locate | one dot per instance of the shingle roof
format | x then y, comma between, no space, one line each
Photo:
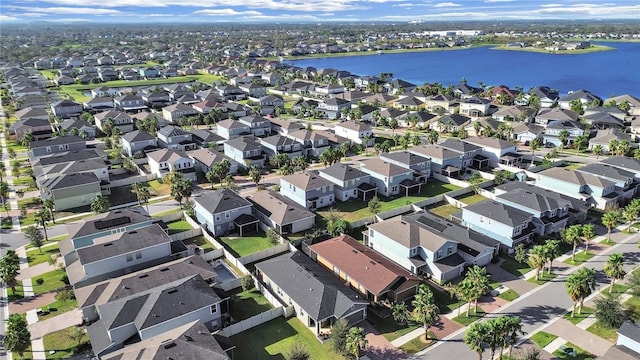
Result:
307,181
163,155
498,212
382,167
405,157
434,151
207,156
278,208
490,142
623,162
352,125
104,221
244,144
221,200
575,204
606,171
533,200
58,140
69,180
343,172
137,135
575,177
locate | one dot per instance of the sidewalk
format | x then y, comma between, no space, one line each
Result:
568,332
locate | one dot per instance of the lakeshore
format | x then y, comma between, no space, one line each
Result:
592,49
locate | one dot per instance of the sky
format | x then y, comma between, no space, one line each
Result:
298,11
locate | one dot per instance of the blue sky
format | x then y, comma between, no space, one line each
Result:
273,11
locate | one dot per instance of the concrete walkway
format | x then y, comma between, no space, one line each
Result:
587,341
57,323
517,284
37,349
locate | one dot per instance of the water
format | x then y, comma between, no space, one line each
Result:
604,73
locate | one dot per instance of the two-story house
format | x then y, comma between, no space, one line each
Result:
164,161
474,106
443,160
332,108
349,182
70,191
556,128
230,129
279,144
82,126
309,190
598,191
66,109
466,150
356,132
497,151
174,138
626,181
173,113
138,140
313,142
205,159
246,151
223,211
130,102
258,126
390,179
420,165
56,144
504,223
584,96
269,104
445,102
38,128
280,213
546,116
98,104
114,119
550,214
450,123
253,90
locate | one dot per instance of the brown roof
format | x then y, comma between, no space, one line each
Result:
409,233
364,265
307,181
382,167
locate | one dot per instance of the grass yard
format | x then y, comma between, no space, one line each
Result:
246,304
618,289
586,311
63,344
445,302
389,328
19,293
275,338
445,210
52,281
178,226
543,339
603,331
242,246
35,257
465,320
514,267
420,343
357,209
166,212
60,307
544,277
509,295
471,199
580,258
564,353
201,242
158,188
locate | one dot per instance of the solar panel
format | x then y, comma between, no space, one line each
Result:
435,225
105,224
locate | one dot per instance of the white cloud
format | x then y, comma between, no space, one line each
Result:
8,18
497,1
446,4
226,12
66,10
550,5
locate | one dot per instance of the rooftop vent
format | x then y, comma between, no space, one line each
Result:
172,291
107,244
164,269
143,276
169,345
187,337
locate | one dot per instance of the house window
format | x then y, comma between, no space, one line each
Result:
217,217
438,255
394,189
371,232
226,215
129,257
414,251
450,250
138,255
214,309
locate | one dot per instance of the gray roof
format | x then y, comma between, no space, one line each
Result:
623,162
206,135
123,243
533,200
459,146
455,119
137,135
107,221
343,172
171,130
498,212
67,156
207,156
382,167
575,177
574,203
630,330
69,180
244,144
434,151
278,140
79,166
221,200
317,291
405,157
306,181
58,140
606,171
74,123
490,142
278,208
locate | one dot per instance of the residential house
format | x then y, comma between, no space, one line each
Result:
269,104
465,91
348,182
82,126
604,137
318,298
173,113
115,119
546,116
156,98
634,128
229,92
205,138
514,113
417,119
66,109
624,163
550,214
632,101
474,106
497,151
556,128
584,96
309,190
230,129
222,211
246,151
56,144
443,160
627,346
98,104
409,103
138,140
164,161
99,167
547,96
258,126
525,132
104,91
602,120
253,90
356,132
205,159
284,127
610,110
398,87
32,113
599,192
280,213
420,165
486,126
450,123
71,190
447,103
389,178
365,270
507,224
332,108
174,138
38,128
130,102
314,142
626,182
278,144
466,150
325,91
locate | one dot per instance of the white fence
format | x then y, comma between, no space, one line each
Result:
449,180
213,254
132,180
183,235
173,217
275,250
252,322
231,284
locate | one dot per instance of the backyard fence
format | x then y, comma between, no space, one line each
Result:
183,235
173,217
132,180
252,322
275,250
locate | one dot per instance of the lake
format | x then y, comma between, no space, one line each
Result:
604,73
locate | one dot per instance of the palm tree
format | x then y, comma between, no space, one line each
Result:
400,312
425,309
475,337
479,278
50,206
563,136
100,204
573,236
537,259
142,193
41,217
588,232
610,219
597,151
631,212
374,207
580,285
432,136
551,251
255,174
513,328
10,269
17,337
366,139
613,146
614,269
210,177
221,169
355,341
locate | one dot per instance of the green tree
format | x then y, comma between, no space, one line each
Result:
355,341
425,310
597,150
432,136
551,251
10,269
588,232
35,237
400,312
221,169
17,337
631,212
255,174
374,207
298,351
100,204
537,259
247,283
475,337
614,268
609,312
573,236
579,285
142,194
300,163
50,206
475,180
338,336
563,136
41,217
480,281
610,220
521,253
513,329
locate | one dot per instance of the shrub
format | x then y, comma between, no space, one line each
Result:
609,312
338,337
39,281
65,295
247,283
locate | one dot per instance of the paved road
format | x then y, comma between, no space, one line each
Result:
543,304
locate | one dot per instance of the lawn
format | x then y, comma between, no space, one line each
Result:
246,304
603,331
544,277
618,289
275,338
514,267
586,311
158,188
178,226
509,295
52,281
35,257
445,210
389,328
247,245
418,344
19,294
580,258
166,212
60,308
357,209
62,343
543,339
201,242
564,353
445,302
471,199
465,320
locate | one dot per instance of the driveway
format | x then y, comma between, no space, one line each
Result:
63,321
581,338
517,284
379,348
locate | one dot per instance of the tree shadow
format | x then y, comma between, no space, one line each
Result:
532,315
375,353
